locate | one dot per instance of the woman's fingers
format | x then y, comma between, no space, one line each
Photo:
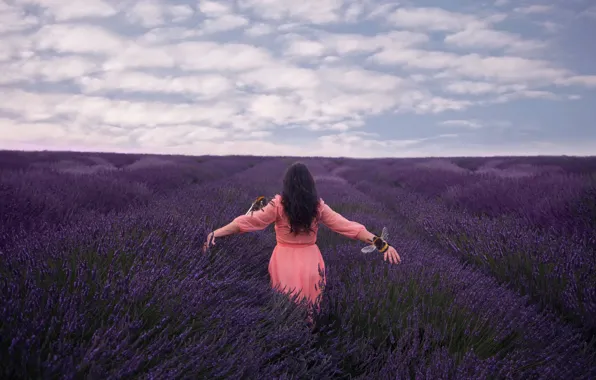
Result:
392,256
389,256
210,242
397,257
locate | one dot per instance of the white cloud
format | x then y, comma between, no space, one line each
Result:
163,35
14,134
280,77
259,29
578,80
276,109
343,143
353,12
323,97
65,11
175,135
437,105
342,126
532,94
255,134
147,13
536,8
224,23
472,124
14,48
97,110
435,19
313,11
152,13
479,88
52,69
186,89
497,68
213,8
204,86
138,57
493,39
359,80
419,59
381,10
549,26
65,38
190,56
305,48
13,19
346,43
220,18
29,131
220,57
180,12
329,94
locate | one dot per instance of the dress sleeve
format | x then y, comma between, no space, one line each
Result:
337,223
259,220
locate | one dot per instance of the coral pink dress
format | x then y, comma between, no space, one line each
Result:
296,259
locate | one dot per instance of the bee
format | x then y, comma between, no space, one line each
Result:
375,242
258,204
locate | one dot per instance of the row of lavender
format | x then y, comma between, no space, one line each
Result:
128,294
64,187
533,231
125,292
448,319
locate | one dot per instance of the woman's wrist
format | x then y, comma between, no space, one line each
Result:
230,229
366,236
381,245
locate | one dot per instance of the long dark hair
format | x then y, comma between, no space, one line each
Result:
299,198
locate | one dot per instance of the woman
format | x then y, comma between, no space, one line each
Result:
294,265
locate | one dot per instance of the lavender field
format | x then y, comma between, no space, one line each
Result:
102,274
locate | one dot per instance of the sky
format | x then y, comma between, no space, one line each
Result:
354,78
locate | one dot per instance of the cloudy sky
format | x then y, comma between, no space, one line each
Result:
358,78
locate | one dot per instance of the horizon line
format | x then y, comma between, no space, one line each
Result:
277,156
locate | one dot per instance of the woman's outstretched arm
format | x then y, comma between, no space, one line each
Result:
365,236
338,223
229,229
258,220
353,230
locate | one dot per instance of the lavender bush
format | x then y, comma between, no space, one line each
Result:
64,193
534,233
117,287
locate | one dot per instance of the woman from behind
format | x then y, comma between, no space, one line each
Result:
296,265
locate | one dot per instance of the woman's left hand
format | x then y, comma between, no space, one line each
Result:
210,239
392,256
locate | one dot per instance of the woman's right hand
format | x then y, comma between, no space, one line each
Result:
209,242
392,256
